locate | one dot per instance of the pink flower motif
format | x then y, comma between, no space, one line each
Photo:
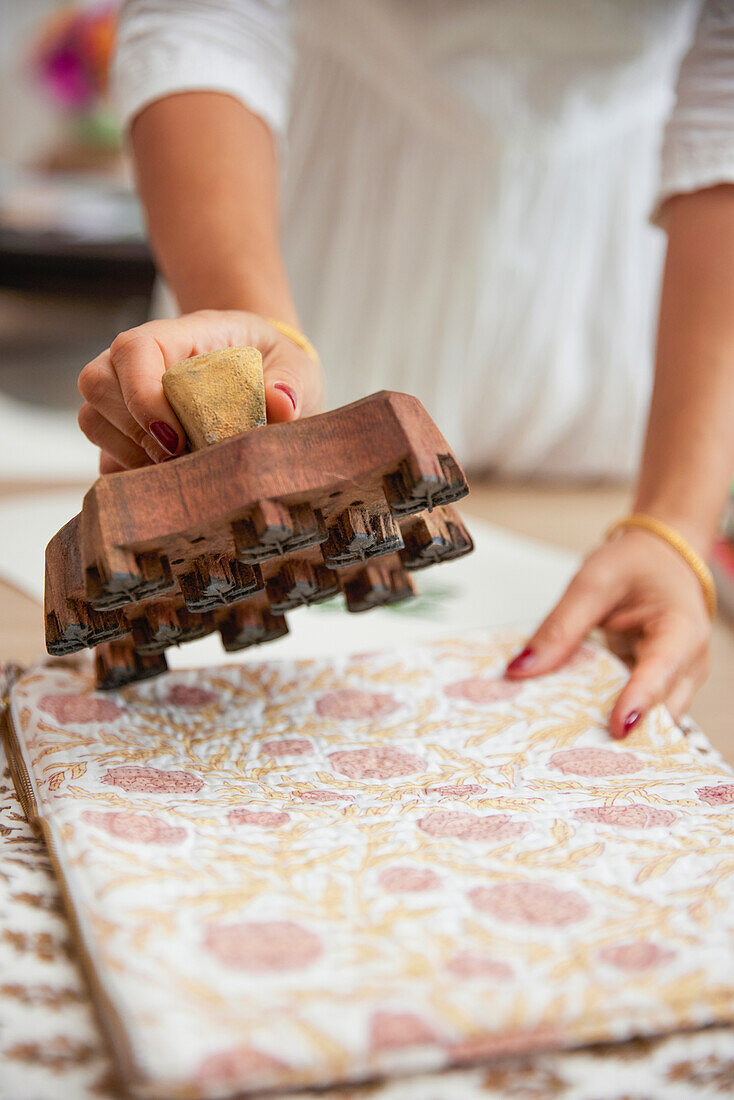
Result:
721,795
393,1030
459,790
261,947
322,796
137,828
483,691
152,780
350,703
237,1068
375,763
466,826
482,1048
636,956
266,819
181,695
595,762
409,880
467,965
530,903
288,746
636,816
80,708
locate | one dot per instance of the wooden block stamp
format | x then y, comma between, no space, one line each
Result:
254,522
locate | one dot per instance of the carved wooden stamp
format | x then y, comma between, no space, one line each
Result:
254,522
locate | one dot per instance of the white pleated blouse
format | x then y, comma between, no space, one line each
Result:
467,193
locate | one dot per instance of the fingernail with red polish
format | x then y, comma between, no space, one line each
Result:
630,721
165,435
290,394
523,661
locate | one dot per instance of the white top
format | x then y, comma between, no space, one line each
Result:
467,191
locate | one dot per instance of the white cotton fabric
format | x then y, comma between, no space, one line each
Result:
467,191
241,47
698,150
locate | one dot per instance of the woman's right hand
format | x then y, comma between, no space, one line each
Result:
126,413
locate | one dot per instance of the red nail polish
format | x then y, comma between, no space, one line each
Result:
290,394
630,721
165,435
523,661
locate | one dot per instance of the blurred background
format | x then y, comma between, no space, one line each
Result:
75,270
74,266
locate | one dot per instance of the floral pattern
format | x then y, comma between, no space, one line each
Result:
152,780
483,691
436,880
636,956
263,946
135,828
465,826
349,704
635,816
530,903
722,794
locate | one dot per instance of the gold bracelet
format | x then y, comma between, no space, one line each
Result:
295,337
703,574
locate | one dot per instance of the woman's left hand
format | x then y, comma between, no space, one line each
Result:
652,608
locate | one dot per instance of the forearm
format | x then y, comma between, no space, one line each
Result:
689,450
208,178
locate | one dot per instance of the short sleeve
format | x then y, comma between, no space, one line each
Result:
698,147
241,47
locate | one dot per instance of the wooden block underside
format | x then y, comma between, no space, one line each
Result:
163,555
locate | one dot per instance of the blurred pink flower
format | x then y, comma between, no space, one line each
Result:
80,708
237,1068
73,53
266,819
466,826
595,762
152,780
636,816
288,746
392,1030
260,947
350,703
530,903
483,691
466,965
375,763
636,956
182,695
137,828
409,880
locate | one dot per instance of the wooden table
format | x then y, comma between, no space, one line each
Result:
570,518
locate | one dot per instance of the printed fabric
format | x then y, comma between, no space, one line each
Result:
314,872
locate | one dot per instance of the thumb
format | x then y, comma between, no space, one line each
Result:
583,605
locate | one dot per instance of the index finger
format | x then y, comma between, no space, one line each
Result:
139,362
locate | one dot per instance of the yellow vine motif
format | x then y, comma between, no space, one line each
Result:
306,871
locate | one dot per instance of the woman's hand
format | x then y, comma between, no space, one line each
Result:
125,411
651,605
